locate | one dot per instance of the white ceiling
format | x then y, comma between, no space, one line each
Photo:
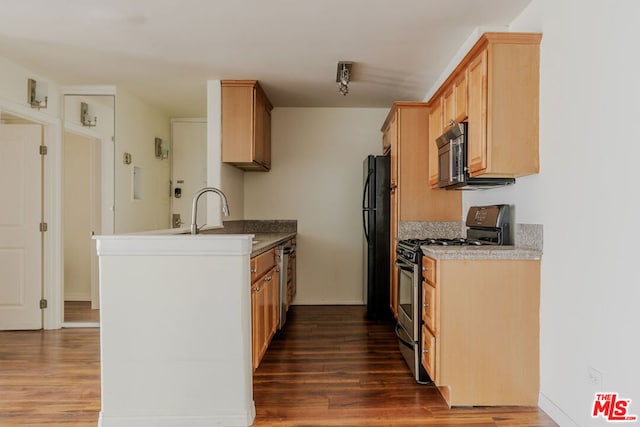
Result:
164,50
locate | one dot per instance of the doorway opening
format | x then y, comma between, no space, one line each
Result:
87,202
82,195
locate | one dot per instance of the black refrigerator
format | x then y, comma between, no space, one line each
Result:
376,206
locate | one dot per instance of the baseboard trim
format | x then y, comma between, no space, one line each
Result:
77,296
554,411
327,302
232,419
80,324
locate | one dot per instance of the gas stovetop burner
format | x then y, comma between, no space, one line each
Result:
439,241
460,241
486,225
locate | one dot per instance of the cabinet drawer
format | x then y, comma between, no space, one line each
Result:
428,358
429,305
262,263
429,270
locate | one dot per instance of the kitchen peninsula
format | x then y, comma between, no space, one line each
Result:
176,325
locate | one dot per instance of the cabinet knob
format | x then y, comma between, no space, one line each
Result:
425,351
254,270
425,305
452,122
424,268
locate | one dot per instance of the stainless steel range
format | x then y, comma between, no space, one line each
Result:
486,225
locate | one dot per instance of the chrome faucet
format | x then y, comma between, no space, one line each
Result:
194,207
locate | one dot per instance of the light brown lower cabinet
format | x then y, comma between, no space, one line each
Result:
483,349
264,300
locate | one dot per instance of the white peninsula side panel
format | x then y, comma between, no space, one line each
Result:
175,330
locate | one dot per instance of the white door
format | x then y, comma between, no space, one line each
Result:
20,237
189,168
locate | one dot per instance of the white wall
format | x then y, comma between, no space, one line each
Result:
137,126
585,197
224,176
13,87
232,184
316,178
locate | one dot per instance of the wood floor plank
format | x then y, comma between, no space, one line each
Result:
328,367
50,378
80,311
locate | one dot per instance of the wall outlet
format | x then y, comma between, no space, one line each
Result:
594,377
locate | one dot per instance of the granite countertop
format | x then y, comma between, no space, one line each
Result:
481,252
527,238
267,233
266,241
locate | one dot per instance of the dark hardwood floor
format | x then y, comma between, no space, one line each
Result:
328,367
50,377
80,311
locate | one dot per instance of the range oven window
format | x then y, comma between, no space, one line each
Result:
407,297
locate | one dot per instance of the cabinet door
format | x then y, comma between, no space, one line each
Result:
429,270
237,124
264,313
454,101
435,130
448,107
386,142
267,137
477,113
428,357
271,305
262,263
246,125
257,323
429,306
460,90
260,120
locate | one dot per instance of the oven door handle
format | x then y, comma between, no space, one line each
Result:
404,266
402,339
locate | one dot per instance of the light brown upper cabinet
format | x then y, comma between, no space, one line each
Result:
495,89
435,130
444,112
454,102
246,125
405,132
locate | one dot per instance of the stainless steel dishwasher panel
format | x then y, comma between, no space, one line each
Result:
284,252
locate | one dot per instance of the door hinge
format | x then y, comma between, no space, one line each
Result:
43,303
43,150
43,227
